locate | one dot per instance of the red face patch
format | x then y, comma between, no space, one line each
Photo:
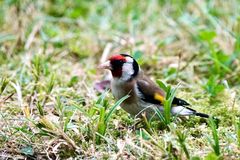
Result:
117,62
117,57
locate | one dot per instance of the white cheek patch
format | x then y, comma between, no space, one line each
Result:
127,71
129,59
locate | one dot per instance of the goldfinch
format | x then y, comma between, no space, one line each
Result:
145,95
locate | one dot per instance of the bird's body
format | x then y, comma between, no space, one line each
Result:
139,102
145,95
131,105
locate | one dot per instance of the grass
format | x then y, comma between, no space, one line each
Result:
165,117
49,53
215,142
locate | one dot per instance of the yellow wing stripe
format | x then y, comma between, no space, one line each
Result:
159,97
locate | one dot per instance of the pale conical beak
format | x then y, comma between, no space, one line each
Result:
105,65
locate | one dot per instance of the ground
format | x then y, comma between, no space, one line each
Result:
49,53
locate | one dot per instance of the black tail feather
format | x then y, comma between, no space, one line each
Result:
205,116
216,120
202,115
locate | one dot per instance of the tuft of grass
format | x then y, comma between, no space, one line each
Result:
104,115
238,131
214,142
213,87
37,67
167,105
3,83
181,138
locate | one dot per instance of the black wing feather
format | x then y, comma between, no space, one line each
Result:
149,98
180,102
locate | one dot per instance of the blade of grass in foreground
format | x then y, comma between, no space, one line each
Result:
181,138
170,94
118,103
215,142
4,82
105,117
238,131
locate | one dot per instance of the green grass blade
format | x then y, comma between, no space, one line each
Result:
160,115
215,143
114,107
181,138
238,131
162,85
4,82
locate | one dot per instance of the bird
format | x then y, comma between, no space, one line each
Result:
144,94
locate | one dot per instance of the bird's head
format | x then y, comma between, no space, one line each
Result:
122,66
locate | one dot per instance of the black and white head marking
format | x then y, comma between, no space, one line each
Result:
130,68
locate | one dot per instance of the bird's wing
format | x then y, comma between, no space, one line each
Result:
151,93
180,102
